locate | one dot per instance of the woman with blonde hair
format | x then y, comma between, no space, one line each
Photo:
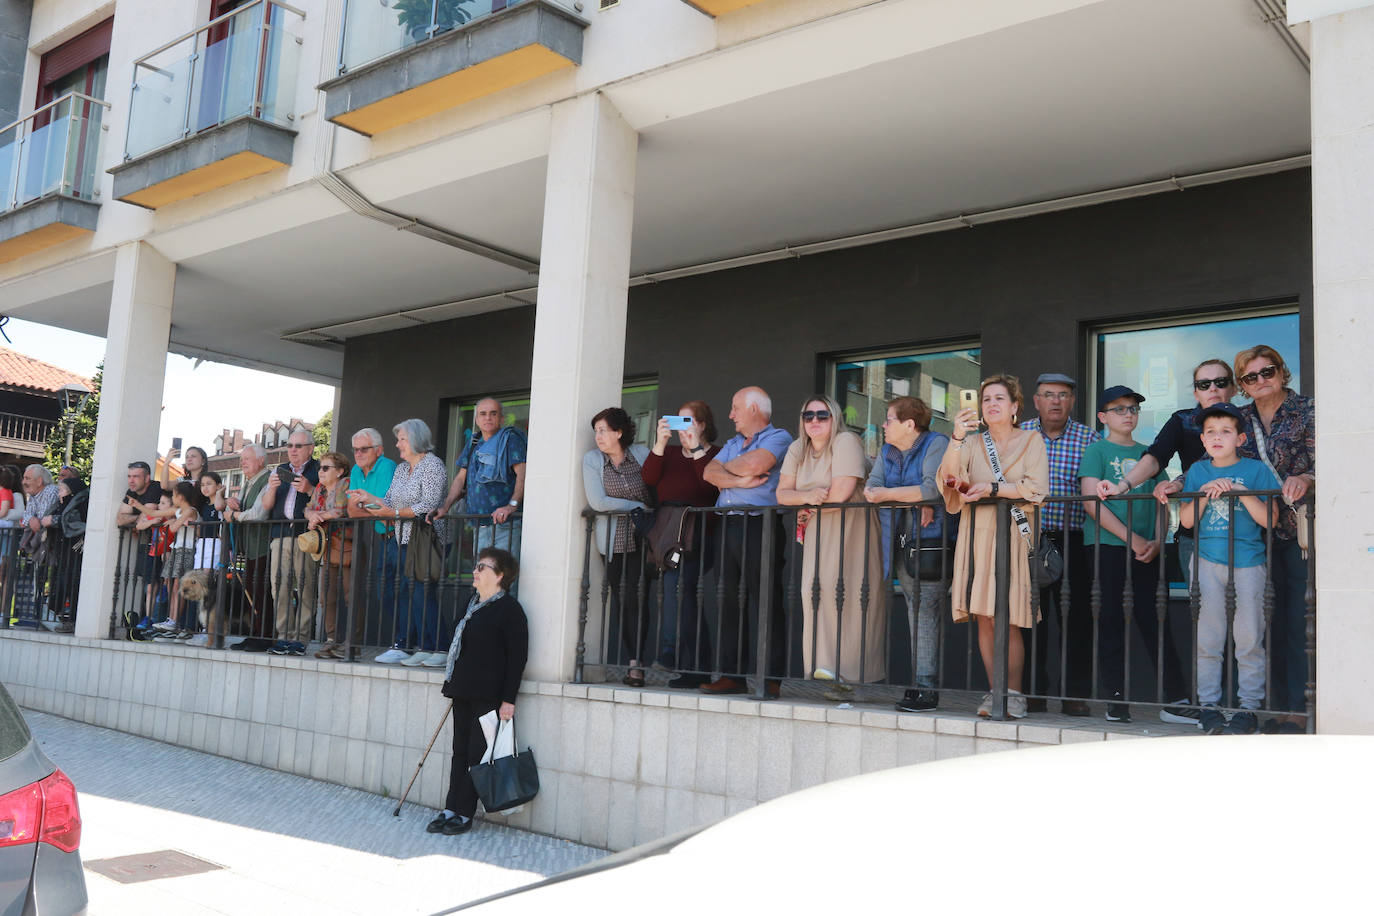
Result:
844,593
966,479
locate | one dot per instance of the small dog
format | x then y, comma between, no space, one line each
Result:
202,585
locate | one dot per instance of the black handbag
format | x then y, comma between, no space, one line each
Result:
424,555
671,536
506,782
926,558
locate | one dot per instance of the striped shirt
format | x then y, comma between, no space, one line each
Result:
1065,453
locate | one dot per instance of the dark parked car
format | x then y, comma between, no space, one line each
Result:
40,826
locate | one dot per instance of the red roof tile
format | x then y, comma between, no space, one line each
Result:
20,371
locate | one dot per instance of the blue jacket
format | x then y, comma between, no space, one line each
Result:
901,469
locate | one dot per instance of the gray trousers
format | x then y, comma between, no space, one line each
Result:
922,610
1248,633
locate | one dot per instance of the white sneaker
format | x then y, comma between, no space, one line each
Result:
416,660
985,707
392,656
1016,704
165,626
823,674
436,660
200,639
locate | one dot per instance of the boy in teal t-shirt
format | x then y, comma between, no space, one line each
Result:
1105,532
1213,517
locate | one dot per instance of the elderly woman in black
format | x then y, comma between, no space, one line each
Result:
485,663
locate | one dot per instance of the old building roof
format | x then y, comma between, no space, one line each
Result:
20,371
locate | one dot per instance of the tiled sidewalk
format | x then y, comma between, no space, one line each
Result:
286,843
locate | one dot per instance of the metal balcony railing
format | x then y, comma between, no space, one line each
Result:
55,150
241,64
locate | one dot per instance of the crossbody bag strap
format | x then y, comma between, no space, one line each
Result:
1016,514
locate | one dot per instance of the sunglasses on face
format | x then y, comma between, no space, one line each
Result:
1124,410
484,565
1266,373
1203,384
809,415
329,467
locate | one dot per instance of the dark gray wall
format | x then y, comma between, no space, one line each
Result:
1027,289
14,47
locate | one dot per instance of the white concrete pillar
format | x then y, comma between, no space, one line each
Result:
1343,288
579,359
130,410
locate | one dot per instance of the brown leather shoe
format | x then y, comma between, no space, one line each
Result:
772,688
1078,708
723,685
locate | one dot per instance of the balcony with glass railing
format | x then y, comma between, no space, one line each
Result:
49,164
213,107
402,60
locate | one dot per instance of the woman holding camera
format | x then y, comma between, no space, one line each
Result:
482,671
968,485
843,625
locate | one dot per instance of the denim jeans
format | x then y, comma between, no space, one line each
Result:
679,626
414,606
489,534
1288,629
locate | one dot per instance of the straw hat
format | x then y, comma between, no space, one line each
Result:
312,543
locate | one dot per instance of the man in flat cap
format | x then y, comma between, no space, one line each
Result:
1065,441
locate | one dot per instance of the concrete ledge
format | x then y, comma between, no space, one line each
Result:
211,159
43,223
617,767
507,48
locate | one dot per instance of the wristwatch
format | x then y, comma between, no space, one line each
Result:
514,504
994,488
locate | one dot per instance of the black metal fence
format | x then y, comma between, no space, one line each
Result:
357,587
40,576
753,599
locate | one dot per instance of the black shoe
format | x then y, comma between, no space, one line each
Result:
1179,713
918,700
1037,704
437,825
1211,721
1077,708
1242,723
280,647
1118,712
456,825
687,682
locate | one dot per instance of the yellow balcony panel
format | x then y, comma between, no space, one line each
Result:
43,224
212,159
496,52
720,7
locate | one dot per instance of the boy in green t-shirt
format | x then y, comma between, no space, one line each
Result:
1111,459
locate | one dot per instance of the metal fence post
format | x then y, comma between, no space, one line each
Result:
766,571
1310,606
583,603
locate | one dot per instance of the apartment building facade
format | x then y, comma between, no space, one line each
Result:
570,204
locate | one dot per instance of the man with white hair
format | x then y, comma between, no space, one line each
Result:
368,483
295,574
746,471
252,541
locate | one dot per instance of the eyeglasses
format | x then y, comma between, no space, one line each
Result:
1266,373
487,566
1124,409
809,415
330,467
1054,395
365,448
299,444
1203,384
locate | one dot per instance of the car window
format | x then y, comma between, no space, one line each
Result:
14,733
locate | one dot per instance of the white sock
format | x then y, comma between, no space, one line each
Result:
448,813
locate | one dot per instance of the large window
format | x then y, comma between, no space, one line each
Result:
1158,361
640,400
863,383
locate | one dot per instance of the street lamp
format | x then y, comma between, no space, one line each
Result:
72,392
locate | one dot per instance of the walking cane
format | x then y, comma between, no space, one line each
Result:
433,738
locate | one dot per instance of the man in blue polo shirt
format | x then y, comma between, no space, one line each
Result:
746,471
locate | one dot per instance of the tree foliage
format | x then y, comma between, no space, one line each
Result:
323,428
83,419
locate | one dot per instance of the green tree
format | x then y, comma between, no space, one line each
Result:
322,430
83,418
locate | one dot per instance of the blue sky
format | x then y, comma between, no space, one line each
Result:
197,403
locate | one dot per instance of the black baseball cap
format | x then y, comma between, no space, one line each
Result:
1116,393
1224,410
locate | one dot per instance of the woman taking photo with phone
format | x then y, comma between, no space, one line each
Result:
969,485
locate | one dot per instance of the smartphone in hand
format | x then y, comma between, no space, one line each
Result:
678,423
968,398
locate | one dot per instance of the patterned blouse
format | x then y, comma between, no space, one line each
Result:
421,490
624,482
1290,445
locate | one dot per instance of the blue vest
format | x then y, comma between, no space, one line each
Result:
901,471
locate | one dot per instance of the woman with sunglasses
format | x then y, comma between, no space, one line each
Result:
1281,432
842,637
330,502
1181,435
482,672
966,479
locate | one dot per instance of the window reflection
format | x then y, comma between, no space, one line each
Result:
863,384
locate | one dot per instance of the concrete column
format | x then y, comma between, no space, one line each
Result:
579,359
14,48
1343,288
130,411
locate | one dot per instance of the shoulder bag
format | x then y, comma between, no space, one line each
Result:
424,555
670,538
1046,564
1299,511
927,557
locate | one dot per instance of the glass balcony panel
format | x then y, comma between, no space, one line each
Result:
283,65
157,114
375,29
43,161
9,165
228,78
